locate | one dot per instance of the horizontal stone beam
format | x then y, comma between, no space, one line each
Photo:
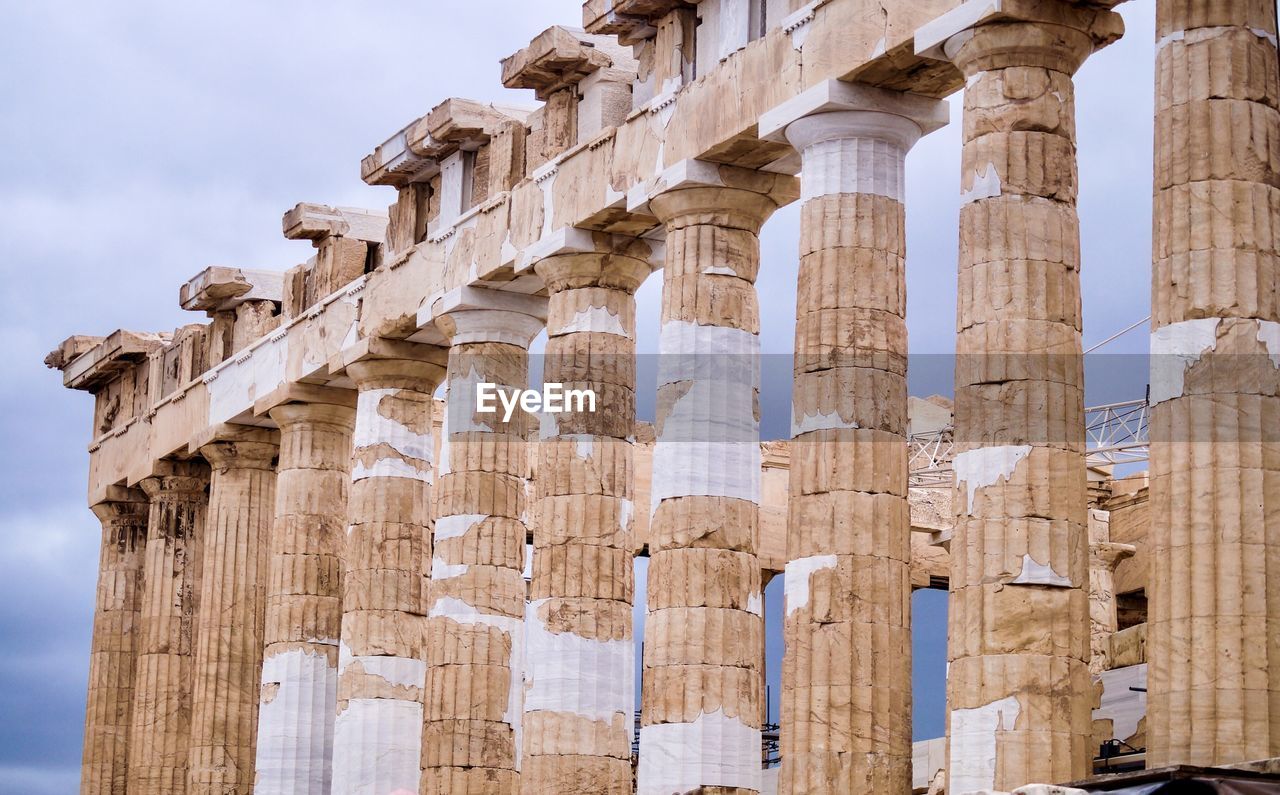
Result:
317,221
560,57
413,154
218,288
88,367
71,349
393,163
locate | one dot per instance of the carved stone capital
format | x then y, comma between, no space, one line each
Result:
470,314
420,375
227,454
979,35
617,270
315,414
722,195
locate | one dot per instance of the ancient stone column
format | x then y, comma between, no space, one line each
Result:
161,733
471,724
304,599
703,663
580,651
377,742
846,691
113,650
1018,684
233,590
1214,593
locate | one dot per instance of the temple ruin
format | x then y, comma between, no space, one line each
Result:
326,568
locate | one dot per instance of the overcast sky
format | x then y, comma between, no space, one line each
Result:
144,141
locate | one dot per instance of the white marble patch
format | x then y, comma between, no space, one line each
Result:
569,673
795,585
973,743
713,751
979,468
1174,349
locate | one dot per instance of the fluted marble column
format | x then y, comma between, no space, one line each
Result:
159,742
377,743
304,599
846,693
233,587
703,653
580,651
113,650
472,710
1019,694
1213,632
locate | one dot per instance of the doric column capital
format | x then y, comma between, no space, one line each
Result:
490,325
421,375
471,314
574,240
1053,34
229,445
1008,44
836,110
225,454
853,138
845,125
176,478
291,414
734,208
121,504
624,268
695,192
1108,554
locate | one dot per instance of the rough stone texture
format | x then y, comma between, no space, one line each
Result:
304,599
382,664
703,655
846,689
1212,637
113,650
471,721
1104,556
580,653
233,590
1018,684
161,734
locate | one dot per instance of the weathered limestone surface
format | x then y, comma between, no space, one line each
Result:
703,656
471,725
1018,683
579,680
1128,647
304,597
1129,523
846,690
161,733
1213,639
1104,556
113,650
585,82
382,660
233,588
